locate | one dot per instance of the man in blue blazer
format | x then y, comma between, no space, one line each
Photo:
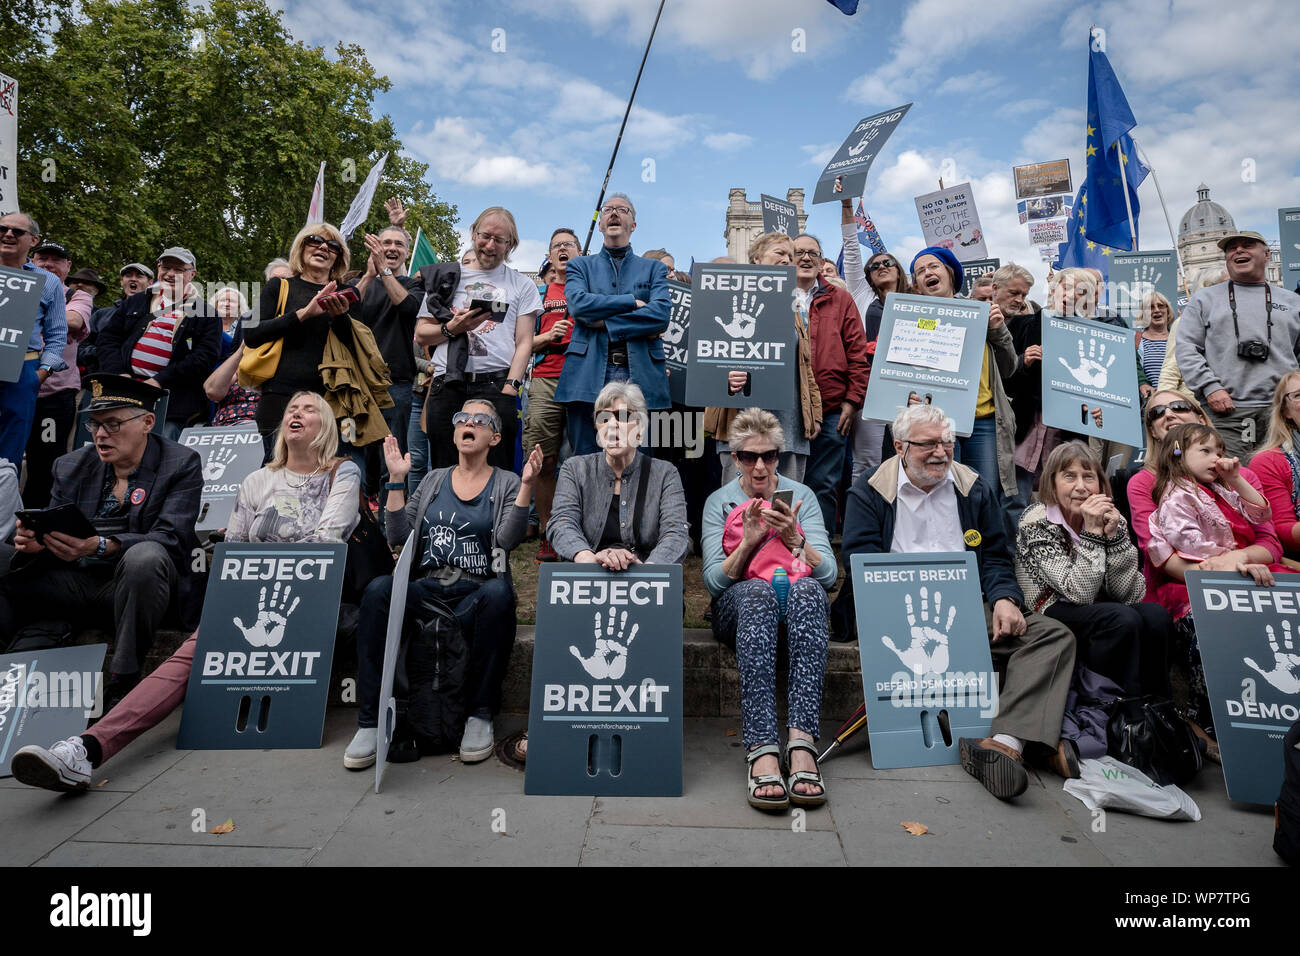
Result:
620,303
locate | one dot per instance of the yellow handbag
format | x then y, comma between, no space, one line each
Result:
259,364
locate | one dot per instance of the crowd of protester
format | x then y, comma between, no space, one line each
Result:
383,394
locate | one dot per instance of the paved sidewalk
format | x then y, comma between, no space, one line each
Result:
297,808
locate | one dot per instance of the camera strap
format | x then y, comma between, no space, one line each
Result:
1268,310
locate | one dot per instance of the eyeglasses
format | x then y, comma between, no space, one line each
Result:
807,254
476,419
882,264
1157,412
332,244
14,231
564,244
928,446
750,458
1292,397
111,427
621,210
489,237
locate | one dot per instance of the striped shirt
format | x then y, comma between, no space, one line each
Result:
154,350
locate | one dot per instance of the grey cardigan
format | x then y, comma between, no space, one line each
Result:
509,521
584,490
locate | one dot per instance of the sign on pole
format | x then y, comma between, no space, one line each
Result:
1134,275
1042,179
742,320
20,301
846,173
8,146
48,695
677,339
1087,365
779,216
927,672
932,348
1288,230
1048,232
229,454
605,717
260,679
392,648
949,219
974,269
1249,638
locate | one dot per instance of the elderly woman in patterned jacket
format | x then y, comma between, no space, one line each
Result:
1076,562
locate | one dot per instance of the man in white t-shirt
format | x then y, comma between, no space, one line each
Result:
478,352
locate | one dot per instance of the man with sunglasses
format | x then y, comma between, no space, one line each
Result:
44,354
167,336
141,494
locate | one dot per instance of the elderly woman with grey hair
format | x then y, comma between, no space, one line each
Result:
767,557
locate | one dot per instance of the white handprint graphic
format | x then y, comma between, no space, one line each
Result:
608,659
928,652
1091,370
1285,675
744,317
219,460
867,137
675,332
272,616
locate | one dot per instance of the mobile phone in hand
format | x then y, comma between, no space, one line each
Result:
785,495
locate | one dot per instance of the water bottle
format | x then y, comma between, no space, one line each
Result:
781,585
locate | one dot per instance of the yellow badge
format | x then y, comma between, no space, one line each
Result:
972,538
97,389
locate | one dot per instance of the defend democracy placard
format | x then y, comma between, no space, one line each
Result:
230,454
1249,638
1087,365
20,301
949,219
1048,232
1134,275
260,679
605,717
677,339
48,695
849,166
930,347
974,269
779,215
1042,179
1288,230
742,320
925,653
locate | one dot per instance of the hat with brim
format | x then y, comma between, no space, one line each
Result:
120,391
139,267
948,259
1223,243
51,248
180,254
89,277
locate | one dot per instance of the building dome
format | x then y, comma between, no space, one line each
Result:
1205,216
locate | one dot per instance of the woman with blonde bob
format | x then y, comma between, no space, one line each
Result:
1277,463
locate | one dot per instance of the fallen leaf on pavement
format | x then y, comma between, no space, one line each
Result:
226,827
914,828
731,733
101,783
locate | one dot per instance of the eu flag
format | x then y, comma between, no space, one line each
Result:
1081,249
1108,146
846,6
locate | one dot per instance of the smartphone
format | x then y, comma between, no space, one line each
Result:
785,495
350,294
489,305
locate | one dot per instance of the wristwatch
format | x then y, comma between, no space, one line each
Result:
101,549
44,368
516,383
445,334
387,273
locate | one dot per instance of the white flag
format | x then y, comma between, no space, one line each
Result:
360,207
316,210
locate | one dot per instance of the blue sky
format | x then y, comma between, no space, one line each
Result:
727,102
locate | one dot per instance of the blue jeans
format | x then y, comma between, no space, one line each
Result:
17,409
825,466
581,416
418,442
980,451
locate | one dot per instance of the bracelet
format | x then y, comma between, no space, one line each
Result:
394,486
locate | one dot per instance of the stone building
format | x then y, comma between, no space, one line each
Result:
745,221
1199,231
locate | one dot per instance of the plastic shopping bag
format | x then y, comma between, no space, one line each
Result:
1106,782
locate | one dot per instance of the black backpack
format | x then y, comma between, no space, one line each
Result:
1286,812
436,661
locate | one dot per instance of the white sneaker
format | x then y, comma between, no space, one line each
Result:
361,752
477,742
65,766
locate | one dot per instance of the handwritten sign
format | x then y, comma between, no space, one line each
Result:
927,343
1042,179
949,220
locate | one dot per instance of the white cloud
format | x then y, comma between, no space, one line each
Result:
726,142
820,154
460,153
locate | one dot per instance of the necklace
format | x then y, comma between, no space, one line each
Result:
301,484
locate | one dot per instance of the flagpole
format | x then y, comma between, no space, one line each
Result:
415,244
626,113
1178,258
1128,205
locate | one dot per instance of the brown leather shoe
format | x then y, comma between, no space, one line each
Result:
994,764
1065,761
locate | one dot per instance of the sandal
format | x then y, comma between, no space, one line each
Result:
813,777
520,755
766,780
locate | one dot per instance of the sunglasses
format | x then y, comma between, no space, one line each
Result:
882,264
1157,412
14,231
621,415
750,458
332,244
477,419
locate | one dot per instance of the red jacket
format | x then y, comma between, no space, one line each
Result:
839,348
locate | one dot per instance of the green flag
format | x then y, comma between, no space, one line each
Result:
422,253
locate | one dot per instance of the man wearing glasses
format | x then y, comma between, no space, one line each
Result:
921,501
168,337
141,495
619,302
44,353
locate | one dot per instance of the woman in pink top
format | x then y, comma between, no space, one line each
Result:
1277,463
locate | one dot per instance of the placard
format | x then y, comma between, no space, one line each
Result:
973,270
229,455
20,301
1046,207
742,320
949,220
260,679
1042,179
677,339
1288,231
1087,365
605,717
1134,275
1048,232
845,175
1249,638
48,695
8,147
925,655
392,649
779,216
930,376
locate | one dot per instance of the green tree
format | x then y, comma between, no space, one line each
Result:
148,123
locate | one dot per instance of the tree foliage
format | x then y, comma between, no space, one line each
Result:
149,123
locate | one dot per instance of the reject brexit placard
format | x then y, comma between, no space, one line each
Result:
742,320
1042,179
1249,638
1288,230
1135,275
1089,365
20,300
48,695
949,220
926,668
932,348
229,455
260,679
846,173
605,716
779,216
973,270
677,339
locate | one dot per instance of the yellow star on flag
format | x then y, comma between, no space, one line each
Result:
1091,129
1122,157
1080,212
1105,250
1091,150
1091,245
1084,199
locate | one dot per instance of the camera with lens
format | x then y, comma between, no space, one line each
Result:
1252,351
